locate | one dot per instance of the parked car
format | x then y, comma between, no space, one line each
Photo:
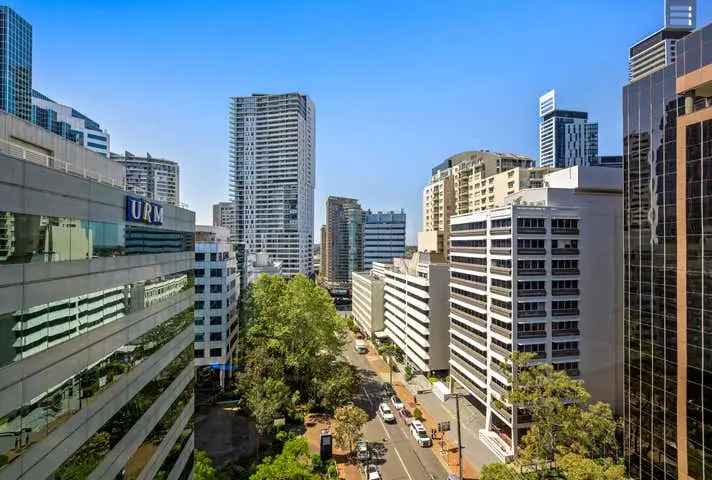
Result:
388,389
397,403
417,429
371,472
360,346
362,451
386,414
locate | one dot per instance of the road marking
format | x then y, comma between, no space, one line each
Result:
394,448
370,401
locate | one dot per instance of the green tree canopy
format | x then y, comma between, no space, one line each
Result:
348,423
294,463
203,467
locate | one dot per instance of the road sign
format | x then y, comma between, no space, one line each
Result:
443,426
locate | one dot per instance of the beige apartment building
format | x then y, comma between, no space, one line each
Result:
468,182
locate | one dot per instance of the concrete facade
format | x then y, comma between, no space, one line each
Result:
383,237
367,302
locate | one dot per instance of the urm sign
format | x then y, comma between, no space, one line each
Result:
140,210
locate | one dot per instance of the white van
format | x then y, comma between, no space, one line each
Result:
360,346
417,429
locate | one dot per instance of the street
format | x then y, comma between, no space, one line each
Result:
396,453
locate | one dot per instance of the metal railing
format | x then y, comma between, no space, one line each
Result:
531,230
501,311
502,331
473,352
58,164
531,334
501,270
564,251
500,251
564,231
565,332
531,251
572,352
561,292
500,231
564,312
480,250
531,313
470,266
501,291
565,271
532,293
531,271
471,318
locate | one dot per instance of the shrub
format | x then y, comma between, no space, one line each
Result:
408,373
418,415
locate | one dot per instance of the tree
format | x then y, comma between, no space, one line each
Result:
552,398
268,400
337,385
203,467
294,463
348,422
576,467
498,471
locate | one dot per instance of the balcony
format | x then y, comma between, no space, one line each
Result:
469,300
500,251
523,416
507,333
564,231
500,370
563,292
565,271
532,293
531,313
531,251
531,271
572,352
498,388
501,311
531,334
470,266
475,389
471,318
502,411
501,271
565,312
507,292
564,251
478,250
501,350
468,283
501,231
471,351
565,332
531,230
465,233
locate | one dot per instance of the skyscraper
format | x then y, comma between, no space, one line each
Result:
15,64
659,49
272,168
69,123
154,178
566,137
667,133
383,237
343,247
223,214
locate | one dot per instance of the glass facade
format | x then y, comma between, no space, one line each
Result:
15,64
650,315
39,238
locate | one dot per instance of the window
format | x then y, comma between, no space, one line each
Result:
215,336
564,244
213,257
199,353
199,305
216,288
199,321
564,284
216,352
530,223
530,243
199,257
564,224
215,320
199,272
531,285
199,337
216,272
199,288
214,304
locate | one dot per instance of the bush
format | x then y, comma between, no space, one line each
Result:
408,373
418,415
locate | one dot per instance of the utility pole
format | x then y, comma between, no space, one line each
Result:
459,441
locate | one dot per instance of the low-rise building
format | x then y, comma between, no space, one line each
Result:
259,263
415,309
540,275
367,302
217,290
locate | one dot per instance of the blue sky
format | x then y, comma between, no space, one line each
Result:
398,86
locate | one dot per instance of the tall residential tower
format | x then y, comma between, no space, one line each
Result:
154,178
343,247
272,176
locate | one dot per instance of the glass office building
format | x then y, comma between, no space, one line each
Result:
96,322
667,121
15,64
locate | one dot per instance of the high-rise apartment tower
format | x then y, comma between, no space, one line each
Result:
155,178
343,247
272,168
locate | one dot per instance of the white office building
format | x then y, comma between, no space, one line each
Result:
542,274
383,237
259,263
154,178
367,302
566,137
217,290
415,309
272,168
